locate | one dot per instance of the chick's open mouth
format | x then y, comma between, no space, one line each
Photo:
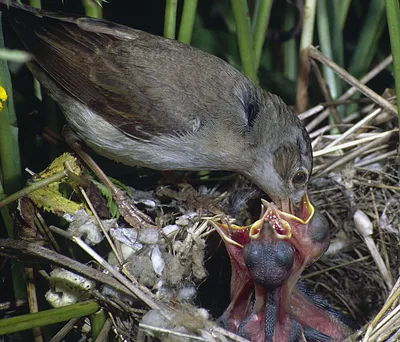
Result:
280,221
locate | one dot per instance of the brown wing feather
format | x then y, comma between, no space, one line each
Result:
143,84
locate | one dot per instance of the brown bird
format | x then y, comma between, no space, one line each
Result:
144,100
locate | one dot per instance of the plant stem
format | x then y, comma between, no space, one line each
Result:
308,24
10,162
344,9
367,42
92,9
304,64
9,151
326,46
51,316
260,22
170,18
290,53
33,187
97,319
245,41
187,21
35,3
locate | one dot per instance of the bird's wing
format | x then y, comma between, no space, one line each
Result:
143,84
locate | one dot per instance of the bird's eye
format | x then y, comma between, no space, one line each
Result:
300,178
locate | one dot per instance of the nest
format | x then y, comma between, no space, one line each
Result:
356,185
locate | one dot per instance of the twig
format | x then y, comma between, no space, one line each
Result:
230,335
311,112
326,93
132,287
304,64
378,185
38,185
364,226
170,332
380,157
369,76
322,130
351,143
32,301
355,127
394,296
42,225
65,330
17,249
350,101
103,335
130,213
315,54
354,154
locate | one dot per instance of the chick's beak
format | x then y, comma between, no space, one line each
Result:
290,205
281,219
301,213
305,210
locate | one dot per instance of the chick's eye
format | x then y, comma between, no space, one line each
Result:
300,178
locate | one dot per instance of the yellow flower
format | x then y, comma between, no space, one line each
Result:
3,97
3,94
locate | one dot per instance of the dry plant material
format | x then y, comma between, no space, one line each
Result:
356,179
151,269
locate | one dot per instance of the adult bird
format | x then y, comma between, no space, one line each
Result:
144,100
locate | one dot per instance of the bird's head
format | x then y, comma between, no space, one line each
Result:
281,153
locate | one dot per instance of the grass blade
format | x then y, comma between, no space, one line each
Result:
245,40
367,41
261,17
170,19
187,22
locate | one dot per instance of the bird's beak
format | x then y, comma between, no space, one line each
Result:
286,205
305,211
281,219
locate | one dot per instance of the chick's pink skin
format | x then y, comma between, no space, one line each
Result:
308,314
241,282
249,300
310,240
309,237
309,231
247,311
